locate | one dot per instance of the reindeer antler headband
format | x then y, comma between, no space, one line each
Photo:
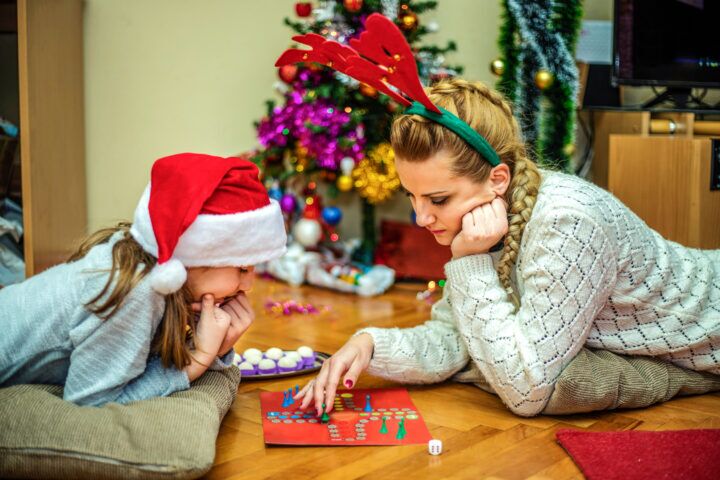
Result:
382,58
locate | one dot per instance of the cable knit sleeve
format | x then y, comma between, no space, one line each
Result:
428,353
567,267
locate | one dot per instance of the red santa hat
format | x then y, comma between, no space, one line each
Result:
205,211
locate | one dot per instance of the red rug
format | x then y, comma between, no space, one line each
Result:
631,454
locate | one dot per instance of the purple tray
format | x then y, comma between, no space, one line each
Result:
320,357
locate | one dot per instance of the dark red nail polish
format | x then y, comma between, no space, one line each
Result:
348,383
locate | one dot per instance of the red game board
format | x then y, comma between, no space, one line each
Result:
350,423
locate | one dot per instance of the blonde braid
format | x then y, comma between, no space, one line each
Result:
525,181
522,193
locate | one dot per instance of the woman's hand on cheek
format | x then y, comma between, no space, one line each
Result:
482,228
241,317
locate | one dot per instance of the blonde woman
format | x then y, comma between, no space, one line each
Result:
543,265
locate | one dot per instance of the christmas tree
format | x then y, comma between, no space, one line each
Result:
538,73
334,130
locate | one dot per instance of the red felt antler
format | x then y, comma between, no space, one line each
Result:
380,57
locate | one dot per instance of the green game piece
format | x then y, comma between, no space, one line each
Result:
401,430
325,418
383,428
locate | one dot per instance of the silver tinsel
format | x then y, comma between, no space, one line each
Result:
336,29
345,80
325,10
431,68
390,8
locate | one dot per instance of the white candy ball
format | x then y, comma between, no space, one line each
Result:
287,362
252,352
294,355
253,358
246,366
266,363
305,351
274,353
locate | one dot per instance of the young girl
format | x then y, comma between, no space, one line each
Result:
573,267
116,323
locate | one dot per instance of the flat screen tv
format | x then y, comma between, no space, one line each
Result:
667,43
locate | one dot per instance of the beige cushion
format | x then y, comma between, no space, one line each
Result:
43,436
602,380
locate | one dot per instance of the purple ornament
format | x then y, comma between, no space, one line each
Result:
288,203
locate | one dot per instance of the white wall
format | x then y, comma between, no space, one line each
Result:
166,76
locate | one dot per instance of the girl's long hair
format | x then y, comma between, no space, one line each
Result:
130,264
416,139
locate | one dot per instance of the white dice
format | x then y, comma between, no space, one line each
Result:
435,447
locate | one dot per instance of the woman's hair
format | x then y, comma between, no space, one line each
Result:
416,139
130,264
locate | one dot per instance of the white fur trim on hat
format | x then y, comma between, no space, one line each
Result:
168,277
231,240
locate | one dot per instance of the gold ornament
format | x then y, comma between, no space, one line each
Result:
543,79
375,176
301,154
569,149
408,21
497,66
368,91
344,183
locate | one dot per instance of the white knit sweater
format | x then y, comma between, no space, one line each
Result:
590,273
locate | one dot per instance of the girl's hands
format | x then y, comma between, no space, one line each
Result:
350,361
241,317
482,228
210,332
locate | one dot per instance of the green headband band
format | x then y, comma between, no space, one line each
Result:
460,128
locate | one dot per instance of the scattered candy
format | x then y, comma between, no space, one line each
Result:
432,287
288,307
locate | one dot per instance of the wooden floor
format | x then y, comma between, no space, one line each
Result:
481,438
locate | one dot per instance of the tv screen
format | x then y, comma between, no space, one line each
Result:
673,43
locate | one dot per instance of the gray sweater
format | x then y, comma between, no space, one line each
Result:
49,336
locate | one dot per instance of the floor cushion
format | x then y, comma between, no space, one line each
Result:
43,436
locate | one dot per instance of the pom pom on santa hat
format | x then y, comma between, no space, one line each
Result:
205,211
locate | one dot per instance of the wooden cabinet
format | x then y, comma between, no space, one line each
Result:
660,165
666,181
52,142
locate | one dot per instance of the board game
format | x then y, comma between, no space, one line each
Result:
359,417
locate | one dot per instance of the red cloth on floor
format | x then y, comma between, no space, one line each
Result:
632,454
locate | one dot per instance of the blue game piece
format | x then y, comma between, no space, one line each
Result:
290,399
285,400
368,408
297,389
